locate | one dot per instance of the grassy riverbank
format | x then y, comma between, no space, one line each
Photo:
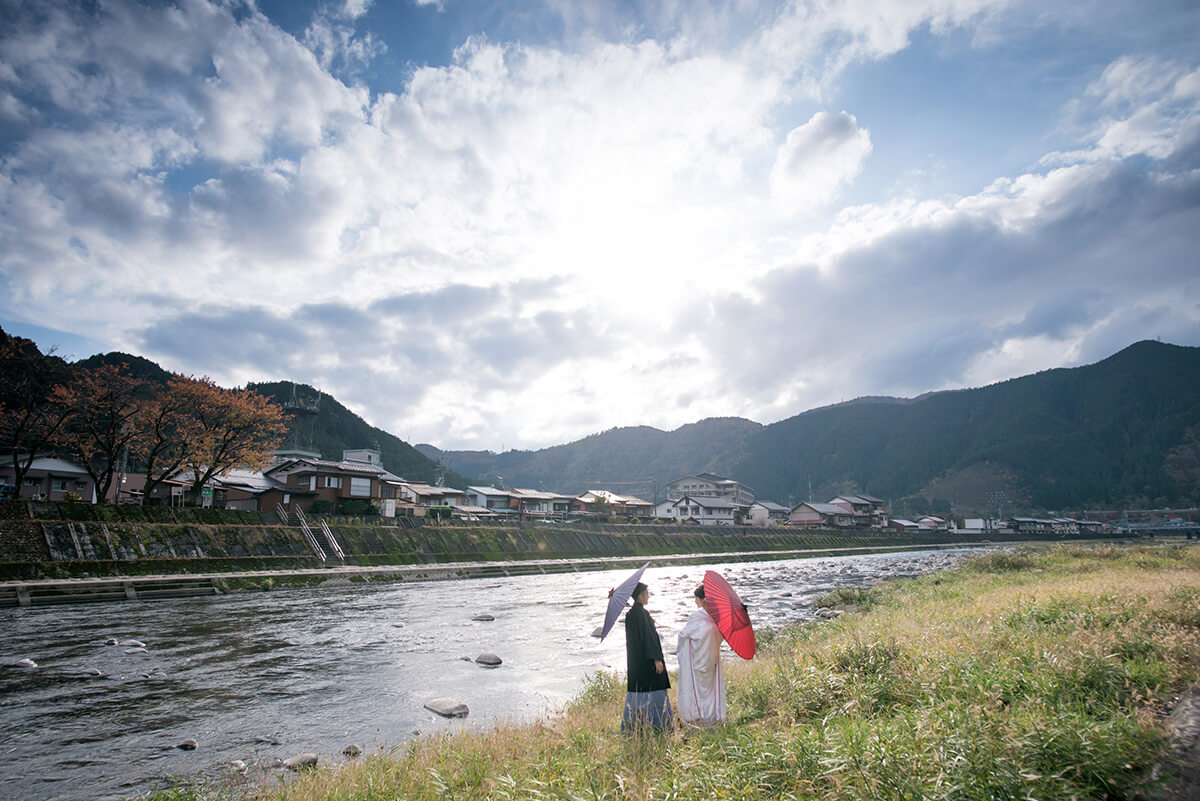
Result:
1037,674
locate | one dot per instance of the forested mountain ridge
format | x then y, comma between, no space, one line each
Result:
1097,435
1124,431
634,460
1068,438
336,428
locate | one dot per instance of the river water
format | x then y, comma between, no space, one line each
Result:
259,677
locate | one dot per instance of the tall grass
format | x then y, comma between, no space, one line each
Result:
1028,675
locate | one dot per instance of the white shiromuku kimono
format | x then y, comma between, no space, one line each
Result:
701,686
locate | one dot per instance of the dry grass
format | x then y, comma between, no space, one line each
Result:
1025,675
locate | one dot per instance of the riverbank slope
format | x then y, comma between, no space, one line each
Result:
1042,674
64,541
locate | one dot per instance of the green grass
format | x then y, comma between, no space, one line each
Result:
1028,674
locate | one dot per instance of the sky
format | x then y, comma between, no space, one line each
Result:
498,225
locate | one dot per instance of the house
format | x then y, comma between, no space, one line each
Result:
932,523
710,485
820,514
865,507
902,525
981,525
610,503
301,481
1064,526
49,478
705,510
1031,525
418,493
768,513
494,500
535,503
243,489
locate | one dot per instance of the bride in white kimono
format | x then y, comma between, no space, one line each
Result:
701,697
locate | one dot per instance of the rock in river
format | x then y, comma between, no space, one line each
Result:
447,707
300,761
133,644
598,632
135,650
352,750
27,663
484,618
188,745
488,660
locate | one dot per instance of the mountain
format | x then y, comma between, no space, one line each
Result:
136,366
333,428
1069,438
637,460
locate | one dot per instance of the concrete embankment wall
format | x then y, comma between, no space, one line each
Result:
59,540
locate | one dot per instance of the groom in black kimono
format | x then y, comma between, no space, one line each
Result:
646,701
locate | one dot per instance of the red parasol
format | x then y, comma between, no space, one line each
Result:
729,613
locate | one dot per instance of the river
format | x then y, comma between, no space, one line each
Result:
263,676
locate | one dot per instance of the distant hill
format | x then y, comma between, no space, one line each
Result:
334,428
1060,439
633,460
1071,438
1097,436
136,366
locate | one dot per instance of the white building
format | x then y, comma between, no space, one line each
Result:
768,513
710,485
705,511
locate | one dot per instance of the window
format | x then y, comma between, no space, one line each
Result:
360,487
60,484
79,485
33,482
335,482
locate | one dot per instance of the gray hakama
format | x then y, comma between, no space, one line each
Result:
646,709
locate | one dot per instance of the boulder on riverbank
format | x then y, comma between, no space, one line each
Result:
447,707
300,762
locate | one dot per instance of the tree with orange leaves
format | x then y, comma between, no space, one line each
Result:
103,407
228,428
165,423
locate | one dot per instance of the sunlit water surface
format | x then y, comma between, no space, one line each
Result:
259,677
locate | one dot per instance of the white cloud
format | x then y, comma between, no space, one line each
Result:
818,158
534,241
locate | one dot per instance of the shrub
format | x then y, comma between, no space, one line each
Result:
321,506
357,507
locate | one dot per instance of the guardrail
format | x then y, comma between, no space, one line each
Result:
309,537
